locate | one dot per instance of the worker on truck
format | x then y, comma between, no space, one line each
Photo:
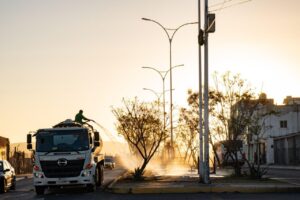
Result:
79,118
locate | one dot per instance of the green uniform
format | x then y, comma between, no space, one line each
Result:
79,118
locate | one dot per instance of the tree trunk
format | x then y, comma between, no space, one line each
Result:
237,167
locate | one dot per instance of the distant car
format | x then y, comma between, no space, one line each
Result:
109,162
7,176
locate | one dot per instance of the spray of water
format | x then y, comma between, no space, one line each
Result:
158,166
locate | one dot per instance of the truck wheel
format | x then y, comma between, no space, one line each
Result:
40,190
99,175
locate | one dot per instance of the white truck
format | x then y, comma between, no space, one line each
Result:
67,155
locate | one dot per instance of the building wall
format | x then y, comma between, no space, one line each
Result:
270,151
4,148
282,144
274,122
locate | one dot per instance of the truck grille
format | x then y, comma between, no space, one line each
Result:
52,170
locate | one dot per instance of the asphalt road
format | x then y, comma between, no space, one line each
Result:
25,191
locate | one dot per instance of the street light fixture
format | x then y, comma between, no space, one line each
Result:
157,94
170,38
163,75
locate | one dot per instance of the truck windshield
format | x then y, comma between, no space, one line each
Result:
62,141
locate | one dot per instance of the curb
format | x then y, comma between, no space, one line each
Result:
205,189
274,167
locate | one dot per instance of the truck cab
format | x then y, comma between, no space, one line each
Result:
66,155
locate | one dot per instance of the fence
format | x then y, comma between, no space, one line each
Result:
287,150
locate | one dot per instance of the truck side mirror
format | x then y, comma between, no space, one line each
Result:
29,141
96,136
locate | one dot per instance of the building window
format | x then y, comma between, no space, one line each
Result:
283,124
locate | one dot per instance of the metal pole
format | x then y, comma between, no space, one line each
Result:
171,94
163,77
157,95
164,106
200,164
206,114
171,101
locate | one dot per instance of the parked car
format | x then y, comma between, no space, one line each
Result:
109,162
7,176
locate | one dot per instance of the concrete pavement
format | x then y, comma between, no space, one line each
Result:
284,167
23,176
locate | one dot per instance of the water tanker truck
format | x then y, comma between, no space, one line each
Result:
68,154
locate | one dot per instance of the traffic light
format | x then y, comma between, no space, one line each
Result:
201,37
211,19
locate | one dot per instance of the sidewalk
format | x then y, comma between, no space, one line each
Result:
190,184
23,176
287,167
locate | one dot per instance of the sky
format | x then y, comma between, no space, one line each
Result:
59,56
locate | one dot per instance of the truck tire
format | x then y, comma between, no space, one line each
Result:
99,175
40,190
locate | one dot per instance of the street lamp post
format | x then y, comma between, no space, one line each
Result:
170,38
158,95
163,75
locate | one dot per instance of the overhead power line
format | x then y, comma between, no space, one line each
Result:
220,3
224,6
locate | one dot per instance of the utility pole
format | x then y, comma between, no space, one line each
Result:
209,27
206,114
200,43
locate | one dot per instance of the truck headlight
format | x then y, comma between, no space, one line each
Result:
38,175
86,173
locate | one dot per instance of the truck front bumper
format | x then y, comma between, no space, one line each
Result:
86,177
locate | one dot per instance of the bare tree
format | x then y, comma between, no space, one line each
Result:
142,128
230,110
234,107
255,132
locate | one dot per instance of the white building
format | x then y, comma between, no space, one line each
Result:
279,140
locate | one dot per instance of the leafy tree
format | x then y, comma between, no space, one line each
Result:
189,117
189,127
142,128
187,132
